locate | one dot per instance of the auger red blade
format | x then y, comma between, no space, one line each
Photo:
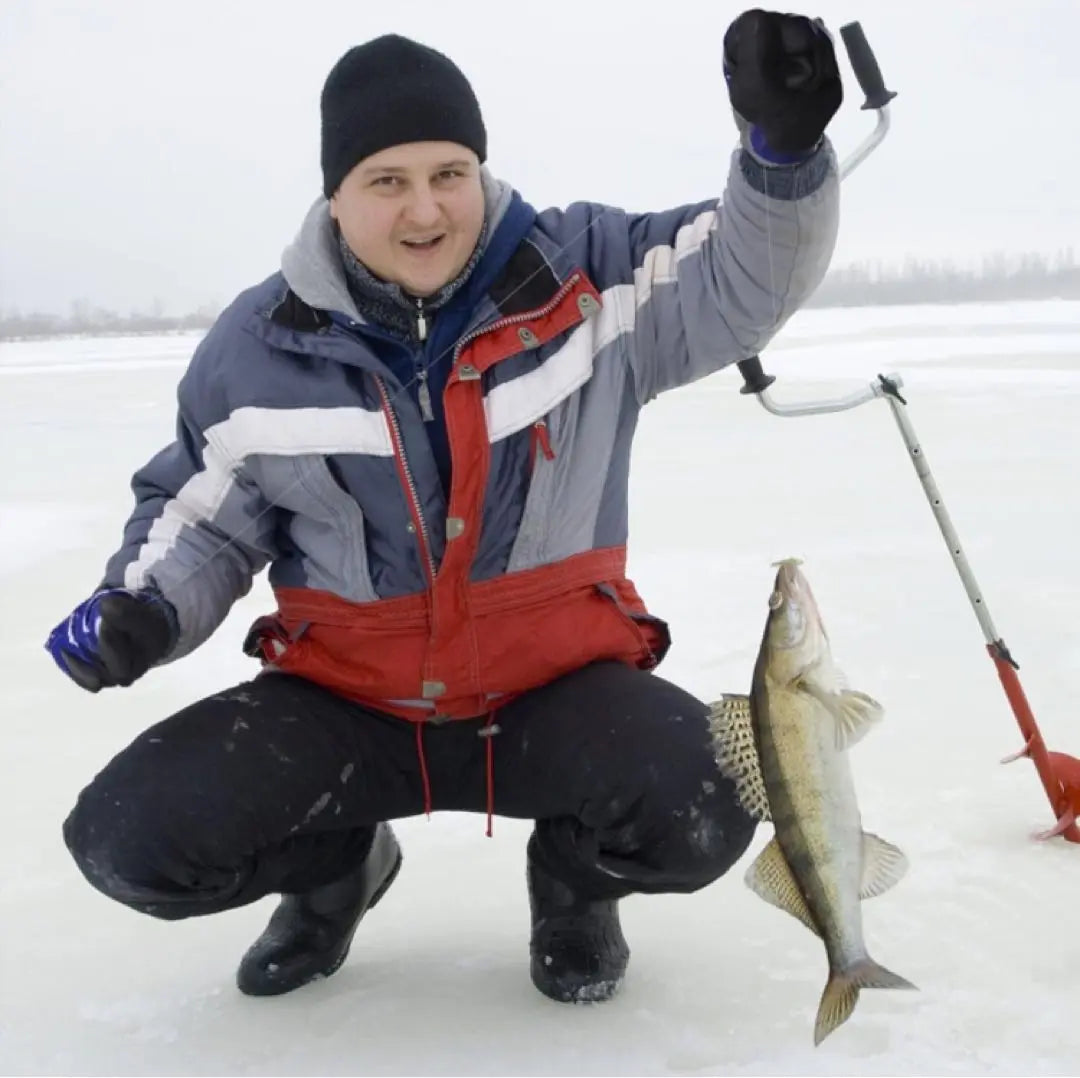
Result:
1059,772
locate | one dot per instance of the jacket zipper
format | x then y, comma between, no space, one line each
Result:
421,321
422,536
423,393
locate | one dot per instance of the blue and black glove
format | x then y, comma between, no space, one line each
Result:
113,637
783,81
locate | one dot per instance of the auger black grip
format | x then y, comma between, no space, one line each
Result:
754,377
865,66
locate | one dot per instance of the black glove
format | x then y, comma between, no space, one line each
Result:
783,80
113,637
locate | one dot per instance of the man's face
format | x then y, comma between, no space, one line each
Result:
412,213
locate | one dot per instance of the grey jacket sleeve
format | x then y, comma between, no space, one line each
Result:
714,282
200,529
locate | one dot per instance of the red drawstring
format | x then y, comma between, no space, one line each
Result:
423,768
490,786
488,732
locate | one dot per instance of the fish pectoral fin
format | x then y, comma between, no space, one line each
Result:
883,866
855,713
770,878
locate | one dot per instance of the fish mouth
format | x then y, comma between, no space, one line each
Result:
788,569
796,618
790,588
793,585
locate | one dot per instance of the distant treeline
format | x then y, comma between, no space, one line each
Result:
98,322
864,284
998,278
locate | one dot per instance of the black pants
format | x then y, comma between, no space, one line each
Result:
275,786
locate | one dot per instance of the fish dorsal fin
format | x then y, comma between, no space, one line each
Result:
732,728
883,866
855,712
770,878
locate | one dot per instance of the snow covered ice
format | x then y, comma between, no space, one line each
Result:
720,982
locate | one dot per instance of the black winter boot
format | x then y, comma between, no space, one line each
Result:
578,952
309,935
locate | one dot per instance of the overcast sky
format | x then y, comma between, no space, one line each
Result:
169,150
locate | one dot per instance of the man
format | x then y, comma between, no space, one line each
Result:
422,424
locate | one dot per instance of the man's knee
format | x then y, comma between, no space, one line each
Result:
689,827
654,848
706,838
129,855
104,856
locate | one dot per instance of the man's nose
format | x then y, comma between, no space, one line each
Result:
423,209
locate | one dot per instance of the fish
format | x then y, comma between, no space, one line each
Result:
785,747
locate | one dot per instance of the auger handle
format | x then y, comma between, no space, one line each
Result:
865,66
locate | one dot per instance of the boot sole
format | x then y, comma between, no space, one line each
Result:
582,994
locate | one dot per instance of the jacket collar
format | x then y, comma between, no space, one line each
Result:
521,269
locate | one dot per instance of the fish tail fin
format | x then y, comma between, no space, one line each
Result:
842,993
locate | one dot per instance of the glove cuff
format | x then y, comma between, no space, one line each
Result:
755,143
171,617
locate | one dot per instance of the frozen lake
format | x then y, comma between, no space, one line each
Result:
719,982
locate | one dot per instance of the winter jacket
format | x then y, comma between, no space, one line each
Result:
298,447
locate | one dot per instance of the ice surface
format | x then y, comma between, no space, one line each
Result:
985,923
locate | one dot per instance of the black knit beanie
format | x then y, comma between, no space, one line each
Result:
392,90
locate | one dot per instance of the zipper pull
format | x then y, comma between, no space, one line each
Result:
421,321
541,440
427,413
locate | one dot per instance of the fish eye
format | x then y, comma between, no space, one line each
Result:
776,600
